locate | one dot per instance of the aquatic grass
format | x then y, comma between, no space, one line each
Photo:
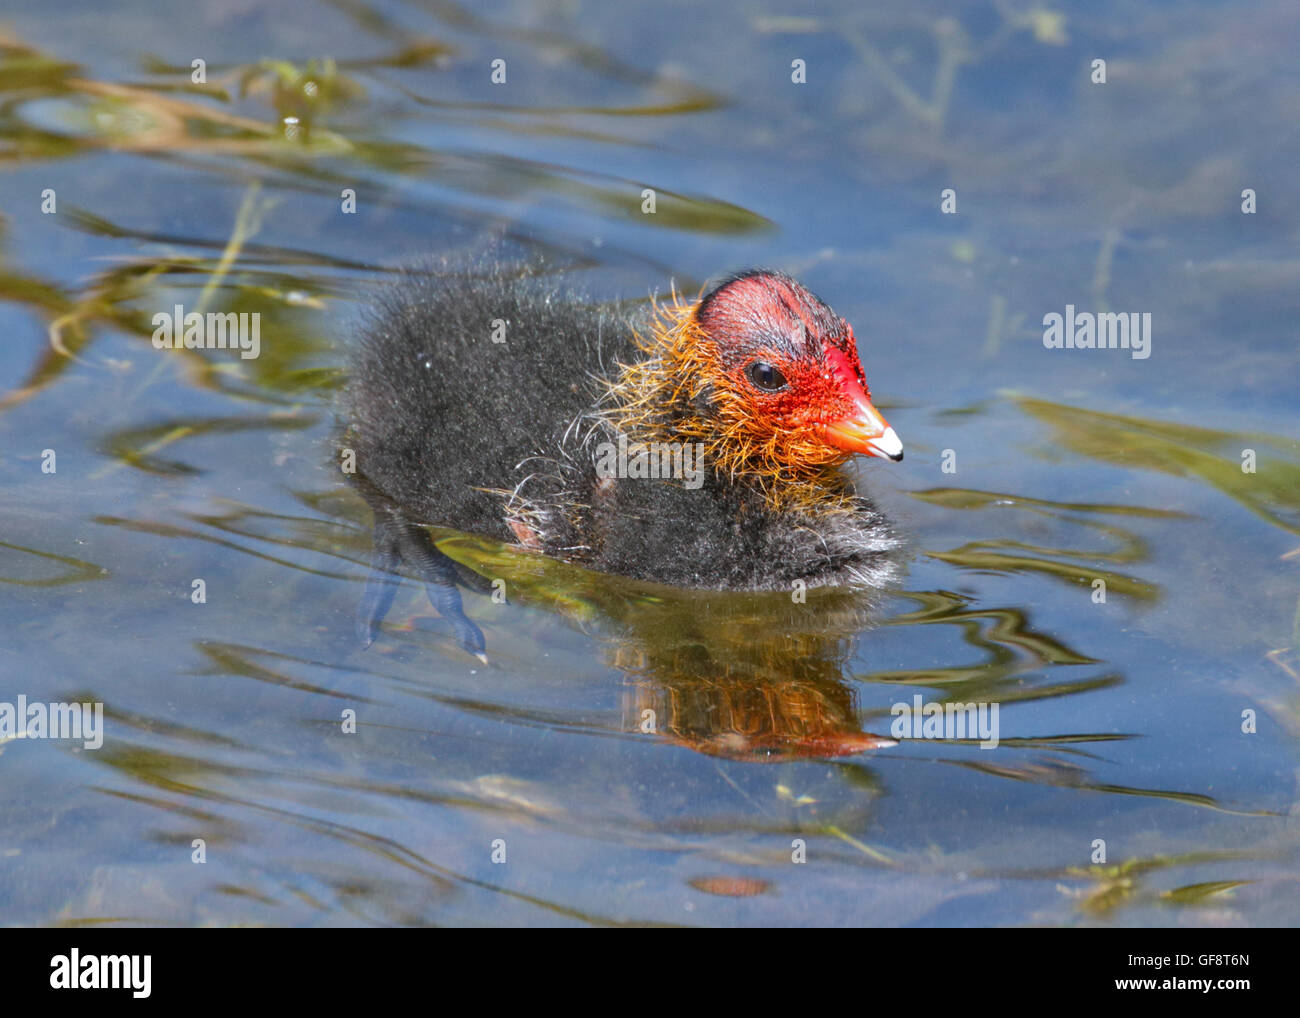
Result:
1272,492
219,126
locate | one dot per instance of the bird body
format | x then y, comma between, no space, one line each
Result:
693,445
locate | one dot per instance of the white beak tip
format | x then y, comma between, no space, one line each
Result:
888,445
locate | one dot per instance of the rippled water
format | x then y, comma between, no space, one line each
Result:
1031,473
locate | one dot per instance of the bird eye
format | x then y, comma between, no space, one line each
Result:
765,376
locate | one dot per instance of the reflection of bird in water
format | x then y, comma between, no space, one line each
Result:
698,448
746,677
743,720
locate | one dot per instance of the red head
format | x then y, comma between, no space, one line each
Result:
785,370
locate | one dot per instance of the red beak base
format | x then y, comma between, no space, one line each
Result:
863,430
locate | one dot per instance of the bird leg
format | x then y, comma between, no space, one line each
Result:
398,543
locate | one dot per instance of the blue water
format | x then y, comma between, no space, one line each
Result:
1120,722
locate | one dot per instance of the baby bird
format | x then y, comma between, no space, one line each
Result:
696,445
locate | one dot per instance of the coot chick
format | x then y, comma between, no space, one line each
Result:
695,445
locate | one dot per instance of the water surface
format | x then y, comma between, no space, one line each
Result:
1121,722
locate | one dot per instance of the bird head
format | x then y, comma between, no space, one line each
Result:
761,372
783,372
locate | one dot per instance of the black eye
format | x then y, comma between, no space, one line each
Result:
765,376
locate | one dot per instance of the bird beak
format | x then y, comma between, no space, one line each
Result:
863,429
865,432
